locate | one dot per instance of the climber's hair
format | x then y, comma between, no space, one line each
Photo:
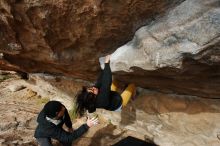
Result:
84,101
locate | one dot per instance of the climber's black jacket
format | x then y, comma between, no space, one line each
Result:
107,99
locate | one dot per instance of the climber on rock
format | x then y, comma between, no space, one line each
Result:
103,94
50,121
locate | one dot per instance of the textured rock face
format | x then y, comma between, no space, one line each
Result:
70,35
179,52
171,120
177,49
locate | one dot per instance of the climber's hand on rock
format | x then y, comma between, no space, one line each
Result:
107,58
92,122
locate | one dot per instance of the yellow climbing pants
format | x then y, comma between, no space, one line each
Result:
126,94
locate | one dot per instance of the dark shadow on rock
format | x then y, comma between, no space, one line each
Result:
128,115
105,136
132,141
23,75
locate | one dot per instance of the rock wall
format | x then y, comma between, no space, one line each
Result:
176,50
70,35
179,52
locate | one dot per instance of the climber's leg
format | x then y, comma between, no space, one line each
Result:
114,85
128,92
